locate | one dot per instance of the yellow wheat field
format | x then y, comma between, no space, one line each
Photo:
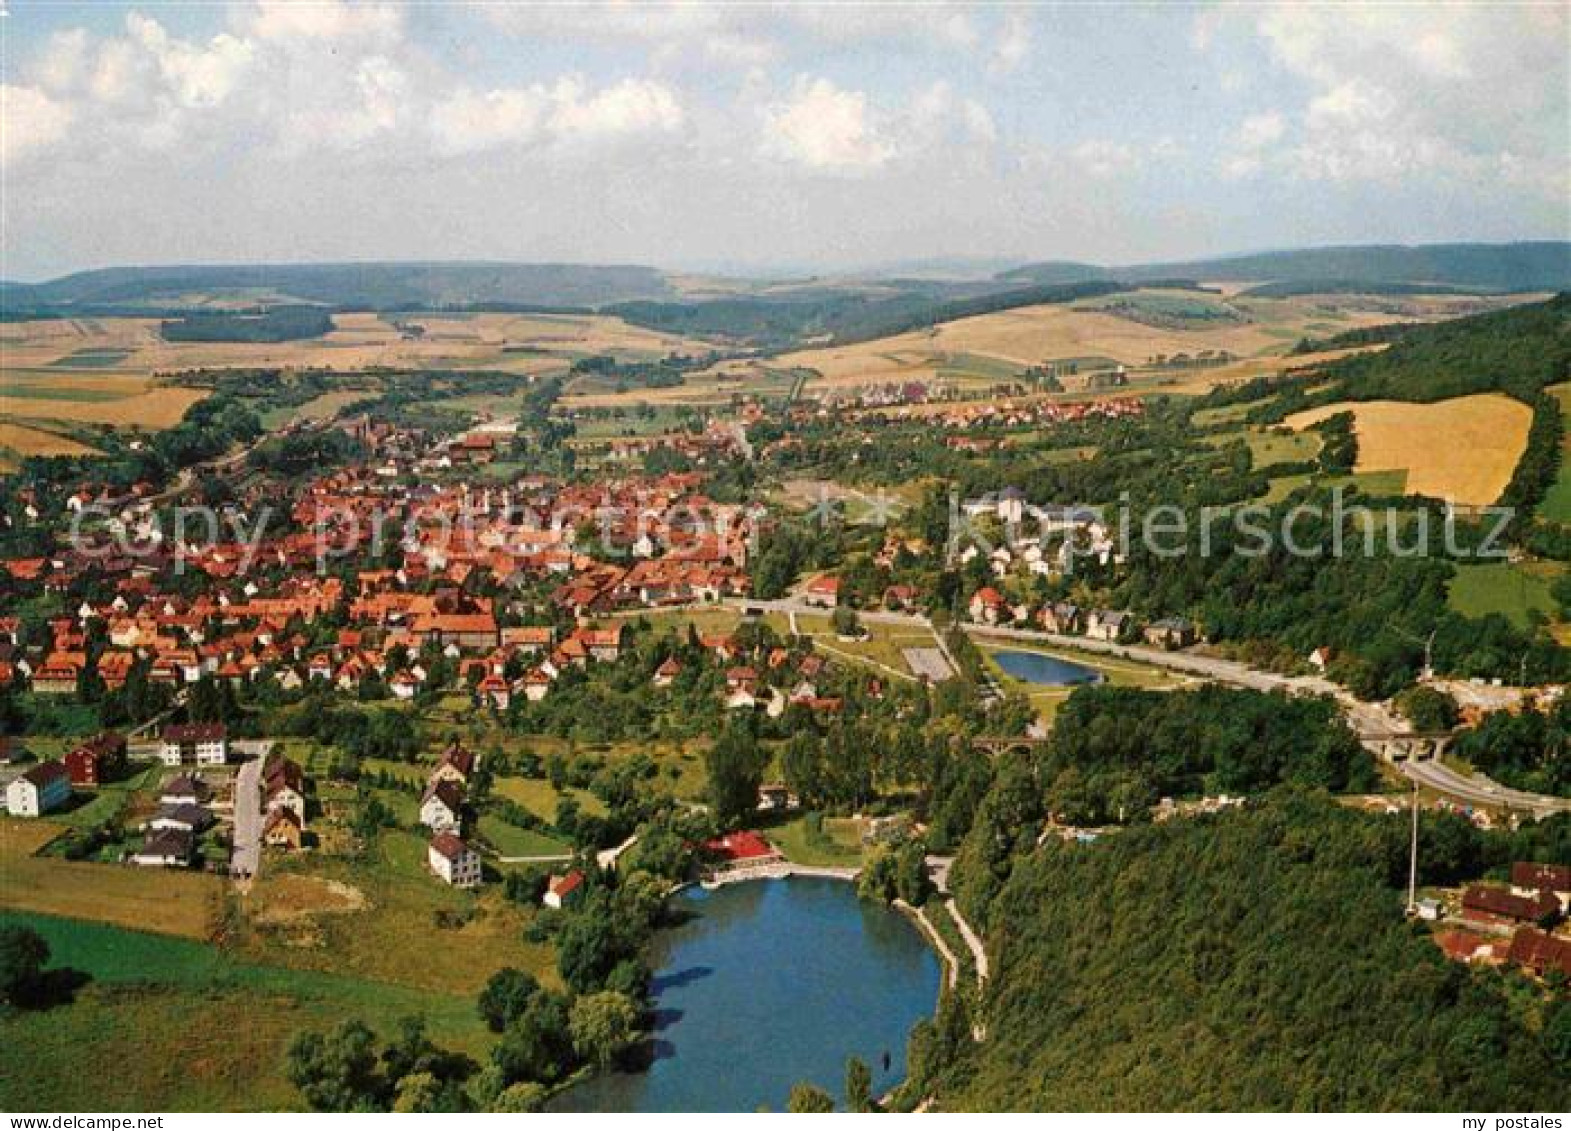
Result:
512,342
26,441
1464,449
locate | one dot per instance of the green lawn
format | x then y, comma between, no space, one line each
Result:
511,840
838,845
1228,414
1269,448
1503,587
541,798
171,1024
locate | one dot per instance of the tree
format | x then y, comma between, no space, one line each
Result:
735,766
603,1025
524,1098
505,997
537,1045
337,1071
23,955
809,1099
859,1085
1427,708
417,1093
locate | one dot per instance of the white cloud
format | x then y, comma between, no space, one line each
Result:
1260,130
632,106
826,129
29,121
325,20
1103,158
194,75
1013,45
564,112
1405,91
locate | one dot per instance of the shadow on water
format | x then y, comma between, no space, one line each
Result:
677,979
664,1018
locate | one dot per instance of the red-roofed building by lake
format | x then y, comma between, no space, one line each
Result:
740,852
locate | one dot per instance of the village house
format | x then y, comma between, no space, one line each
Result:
186,789
38,790
560,889
988,606
165,848
442,807
283,787
1540,951
1108,624
186,818
1170,633
456,764
823,591
775,798
99,759
283,829
1484,906
1062,618
1529,879
453,861
199,744
665,675
535,684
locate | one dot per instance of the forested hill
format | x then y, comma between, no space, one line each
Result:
1254,961
1536,266
1518,351
359,285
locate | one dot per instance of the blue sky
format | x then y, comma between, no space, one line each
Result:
819,136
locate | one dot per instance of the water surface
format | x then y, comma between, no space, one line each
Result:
772,982
1037,667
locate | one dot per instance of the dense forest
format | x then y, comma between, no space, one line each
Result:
845,316
1255,960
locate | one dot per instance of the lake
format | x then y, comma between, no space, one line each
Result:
1035,667
772,982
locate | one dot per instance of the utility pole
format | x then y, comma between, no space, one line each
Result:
1412,868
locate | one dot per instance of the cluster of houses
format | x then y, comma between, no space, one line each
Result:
283,802
649,542
450,858
47,786
1508,924
169,838
989,606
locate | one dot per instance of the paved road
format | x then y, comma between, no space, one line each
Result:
245,859
1479,790
1365,718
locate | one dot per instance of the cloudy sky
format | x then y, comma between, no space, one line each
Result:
785,136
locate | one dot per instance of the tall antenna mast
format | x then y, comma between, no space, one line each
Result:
1412,868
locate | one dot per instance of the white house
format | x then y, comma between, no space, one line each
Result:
44,787
453,861
441,808
201,744
561,888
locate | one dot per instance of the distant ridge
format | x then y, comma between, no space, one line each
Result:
845,306
377,285
1528,266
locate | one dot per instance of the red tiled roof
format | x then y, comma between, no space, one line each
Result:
1541,877
740,846
566,885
